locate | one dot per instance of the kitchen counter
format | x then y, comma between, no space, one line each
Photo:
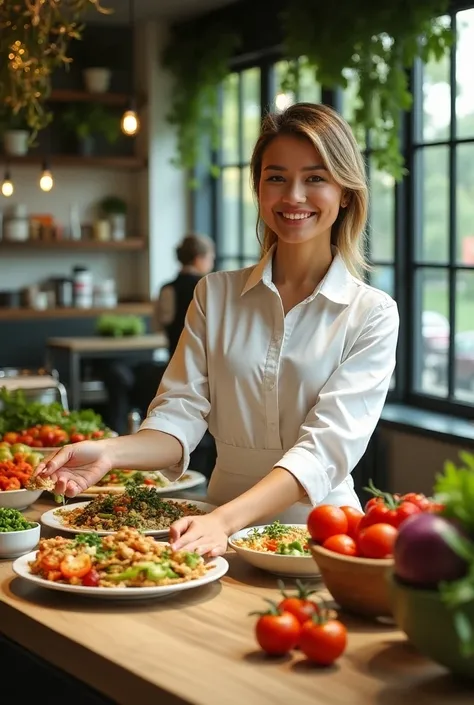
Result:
198,648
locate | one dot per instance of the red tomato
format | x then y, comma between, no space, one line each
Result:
33,431
277,632
341,543
372,502
91,579
36,443
27,440
11,437
299,605
75,566
97,434
326,520
76,437
419,499
353,518
381,513
48,438
435,507
377,540
324,642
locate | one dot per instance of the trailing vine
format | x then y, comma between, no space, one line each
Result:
372,44
34,40
199,62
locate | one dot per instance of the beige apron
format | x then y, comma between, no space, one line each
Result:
239,469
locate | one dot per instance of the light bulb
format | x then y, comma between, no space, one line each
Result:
46,181
7,187
130,123
283,101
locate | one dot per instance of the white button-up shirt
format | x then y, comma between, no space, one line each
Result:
302,391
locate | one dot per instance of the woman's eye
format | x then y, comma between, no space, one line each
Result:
275,178
315,179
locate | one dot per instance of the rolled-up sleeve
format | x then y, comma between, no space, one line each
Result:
182,405
336,432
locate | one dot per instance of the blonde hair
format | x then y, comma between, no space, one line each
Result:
333,138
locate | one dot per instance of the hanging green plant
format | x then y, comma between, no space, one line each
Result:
34,41
199,62
372,44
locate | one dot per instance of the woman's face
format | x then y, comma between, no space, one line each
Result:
205,263
298,199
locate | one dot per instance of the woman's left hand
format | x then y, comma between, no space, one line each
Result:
205,535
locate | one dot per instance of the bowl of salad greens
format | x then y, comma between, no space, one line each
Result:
281,549
17,535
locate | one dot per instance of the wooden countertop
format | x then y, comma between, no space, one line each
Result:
105,343
21,314
199,649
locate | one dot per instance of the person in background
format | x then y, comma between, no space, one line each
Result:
133,386
288,363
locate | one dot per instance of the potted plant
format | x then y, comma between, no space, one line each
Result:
97,79
114,209
88,121
15,132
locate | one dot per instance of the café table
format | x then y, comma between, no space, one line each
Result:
76,349
198,648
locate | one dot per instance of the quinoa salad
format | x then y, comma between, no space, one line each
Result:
277,538
125,559
137,507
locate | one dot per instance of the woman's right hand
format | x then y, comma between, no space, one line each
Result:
76,467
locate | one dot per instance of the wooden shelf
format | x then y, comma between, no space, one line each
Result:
105,246
71,96
56,160
144,308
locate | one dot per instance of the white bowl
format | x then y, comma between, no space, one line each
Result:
17,543
290,566
18,499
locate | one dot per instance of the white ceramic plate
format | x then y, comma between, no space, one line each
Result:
52,520
290,566
18,499
195,478
219,567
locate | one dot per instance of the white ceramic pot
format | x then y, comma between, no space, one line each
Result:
15,142
118,223
97,80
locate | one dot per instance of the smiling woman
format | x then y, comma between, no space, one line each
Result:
298,347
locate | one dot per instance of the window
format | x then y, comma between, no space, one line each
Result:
420,232
441,257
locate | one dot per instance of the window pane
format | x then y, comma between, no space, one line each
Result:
382,216
228,263
464,64
383,278
251,244
281,100
431,320
465,203
350,101
309,89
250,111
436,111
230,120
432,204
229,236
464,339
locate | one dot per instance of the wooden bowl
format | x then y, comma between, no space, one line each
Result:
358,585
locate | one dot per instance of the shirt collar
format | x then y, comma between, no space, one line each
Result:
336,286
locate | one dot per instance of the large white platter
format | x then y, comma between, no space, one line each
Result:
218,568
195,478
50,519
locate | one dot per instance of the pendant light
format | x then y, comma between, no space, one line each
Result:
7,184
46,179
130,124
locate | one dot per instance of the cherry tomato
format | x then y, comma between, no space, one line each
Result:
97,434
417,498
36,443
341,543
75,566
353,518
324,642
325,521
277,632
299,605
435,507
91,579
48,438
377,540
382,513
76,437
10,437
